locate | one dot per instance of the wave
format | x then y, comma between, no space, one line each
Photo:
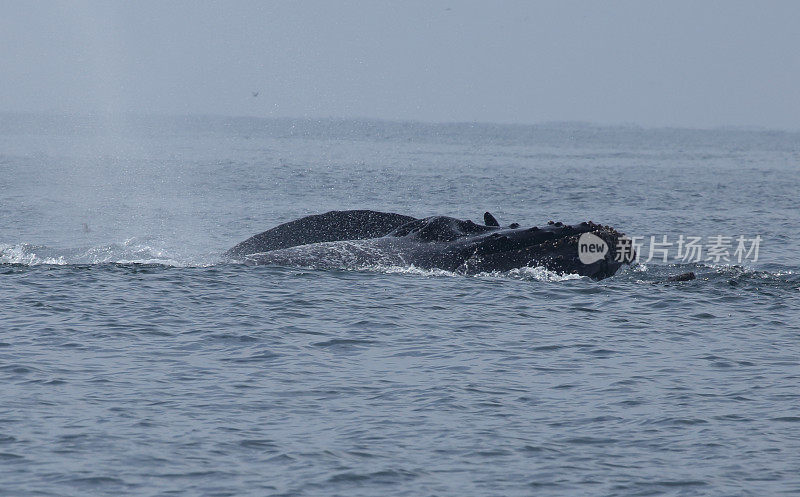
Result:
134,251
131,251
731,275
537,273
141,252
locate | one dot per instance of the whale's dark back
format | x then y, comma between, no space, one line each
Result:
437,242
329,227
440,229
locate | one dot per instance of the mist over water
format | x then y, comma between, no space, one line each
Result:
677,64
135,360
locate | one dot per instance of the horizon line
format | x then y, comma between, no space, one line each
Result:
363,119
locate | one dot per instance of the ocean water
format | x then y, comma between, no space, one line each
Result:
134,360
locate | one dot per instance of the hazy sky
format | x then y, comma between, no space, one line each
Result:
695,63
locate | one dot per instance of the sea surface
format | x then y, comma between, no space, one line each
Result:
135,360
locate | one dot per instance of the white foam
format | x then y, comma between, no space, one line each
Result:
525,273
411,270
24,253
537,273
131,251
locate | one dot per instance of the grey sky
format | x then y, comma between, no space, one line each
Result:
697,63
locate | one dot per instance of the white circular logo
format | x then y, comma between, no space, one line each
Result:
591,248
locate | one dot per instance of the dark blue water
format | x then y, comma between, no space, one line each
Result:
135,361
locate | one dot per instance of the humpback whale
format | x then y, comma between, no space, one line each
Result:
364,238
